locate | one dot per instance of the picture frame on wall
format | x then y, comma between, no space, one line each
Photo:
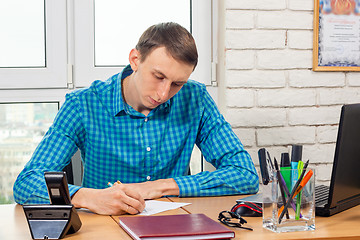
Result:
336,45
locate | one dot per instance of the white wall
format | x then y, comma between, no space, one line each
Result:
272,97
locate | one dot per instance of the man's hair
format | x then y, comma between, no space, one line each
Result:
176,39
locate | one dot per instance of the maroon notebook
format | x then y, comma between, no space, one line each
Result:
185,226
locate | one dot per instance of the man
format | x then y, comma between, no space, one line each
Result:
139,127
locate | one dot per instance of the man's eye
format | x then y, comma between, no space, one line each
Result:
177,84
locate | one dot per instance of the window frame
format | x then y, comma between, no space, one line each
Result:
33,95
54,75
84,70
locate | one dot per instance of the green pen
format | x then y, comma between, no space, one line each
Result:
285,169
298,198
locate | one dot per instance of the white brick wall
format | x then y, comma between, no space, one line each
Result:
286,97
276,136
310,79
301,4
326,134
256,117
240,19
254,78
256,4
284,59
354,79
273,98
285,20
255,39
240,59
300,39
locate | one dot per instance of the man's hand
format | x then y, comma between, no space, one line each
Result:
116,200
123,198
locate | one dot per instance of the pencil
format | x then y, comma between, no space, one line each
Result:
110,184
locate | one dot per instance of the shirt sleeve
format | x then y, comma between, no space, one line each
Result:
235,171
53,153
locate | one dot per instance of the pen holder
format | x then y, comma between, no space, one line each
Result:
300,213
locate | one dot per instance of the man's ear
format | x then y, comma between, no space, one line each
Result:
134,59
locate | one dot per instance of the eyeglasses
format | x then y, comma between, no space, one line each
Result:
226,217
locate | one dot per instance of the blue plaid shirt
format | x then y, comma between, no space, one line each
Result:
119,143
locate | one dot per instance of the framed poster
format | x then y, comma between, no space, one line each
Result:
336,35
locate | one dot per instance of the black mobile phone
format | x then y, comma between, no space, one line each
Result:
59,218
57,188
266,166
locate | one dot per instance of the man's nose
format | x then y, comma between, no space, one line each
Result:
163,91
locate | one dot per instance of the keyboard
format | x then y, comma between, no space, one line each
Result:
321,195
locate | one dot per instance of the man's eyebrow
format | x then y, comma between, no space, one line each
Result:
158,72
164,76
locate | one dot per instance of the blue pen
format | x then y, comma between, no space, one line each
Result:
296,154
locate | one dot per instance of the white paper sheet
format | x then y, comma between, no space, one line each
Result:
154,206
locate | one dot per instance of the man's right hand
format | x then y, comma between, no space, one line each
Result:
116,200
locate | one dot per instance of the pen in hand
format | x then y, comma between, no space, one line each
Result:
110,184
118,183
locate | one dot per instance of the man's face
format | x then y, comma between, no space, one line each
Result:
156,79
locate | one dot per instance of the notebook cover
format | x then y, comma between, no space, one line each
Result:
167,226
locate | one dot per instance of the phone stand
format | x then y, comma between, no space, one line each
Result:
55,220
51,221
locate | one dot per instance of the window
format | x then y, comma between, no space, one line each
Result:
114,36
104,36
48,48
41,60
77,40
22,126
24,44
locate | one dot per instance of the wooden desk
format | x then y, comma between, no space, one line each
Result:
344,225
13,225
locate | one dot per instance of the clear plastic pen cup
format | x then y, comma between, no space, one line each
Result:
280,214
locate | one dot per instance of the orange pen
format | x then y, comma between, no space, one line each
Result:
303,182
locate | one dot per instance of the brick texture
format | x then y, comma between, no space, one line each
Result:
273,98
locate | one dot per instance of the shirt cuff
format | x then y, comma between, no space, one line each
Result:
73,189
188,185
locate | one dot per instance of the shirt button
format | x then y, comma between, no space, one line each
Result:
148,178
148,149
146,119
